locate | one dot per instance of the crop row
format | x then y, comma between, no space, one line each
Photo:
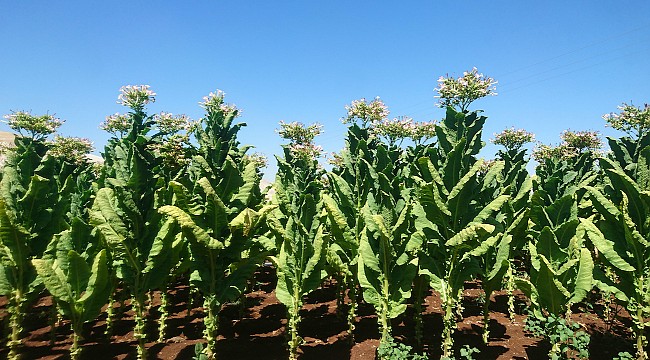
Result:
406,207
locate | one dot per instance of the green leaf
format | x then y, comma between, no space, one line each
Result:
78,273
54,280
472,231
190,228
97,290
584,280
604,246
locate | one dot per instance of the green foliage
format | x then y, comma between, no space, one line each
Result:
79,289
217,208
388,261
456,229
392,350
364,165
143,246
619,232
298,225
567,339
34,206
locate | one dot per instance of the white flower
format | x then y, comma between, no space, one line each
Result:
116,124
37,127
463,91
136,96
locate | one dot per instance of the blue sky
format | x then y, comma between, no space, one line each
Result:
560,64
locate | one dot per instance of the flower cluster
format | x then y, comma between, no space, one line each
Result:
423,131
461,92
256,158
513,139
543,152
306,152
72,149
486,165
373,111
301,139
632,120
582,141
404,127
394,130
337,159
36,127
215,102
173,150
573,144
169,123
298,133
117,124
136,96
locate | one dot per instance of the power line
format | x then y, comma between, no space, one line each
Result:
609,38
575,70
571,63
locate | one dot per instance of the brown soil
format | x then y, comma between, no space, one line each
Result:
255,330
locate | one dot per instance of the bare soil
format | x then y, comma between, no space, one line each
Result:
255,329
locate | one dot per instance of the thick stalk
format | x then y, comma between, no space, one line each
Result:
110,316
420,285
75,349
384,320
486,319
149,302
53,320
293,323
640,335
162,321
510,286
211,326
340,294
190,301
15,322
352,293
449,326
138,330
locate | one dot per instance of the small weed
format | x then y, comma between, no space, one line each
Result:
566,338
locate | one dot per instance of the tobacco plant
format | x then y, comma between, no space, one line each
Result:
456,229
349,186
143,247
507,174
218,208
561,272
298,225
79,289
388,261
620,234
33,207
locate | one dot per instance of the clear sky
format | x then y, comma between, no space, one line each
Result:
560,64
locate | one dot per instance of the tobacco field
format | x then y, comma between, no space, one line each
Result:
407,245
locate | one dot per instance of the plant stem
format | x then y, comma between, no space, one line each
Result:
211,326
53,319
110,314
449,326
293,323
190,301
75,350
15,322
384,320
510,286
138,330
352,293
640,335
420,285
486,319
162,321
